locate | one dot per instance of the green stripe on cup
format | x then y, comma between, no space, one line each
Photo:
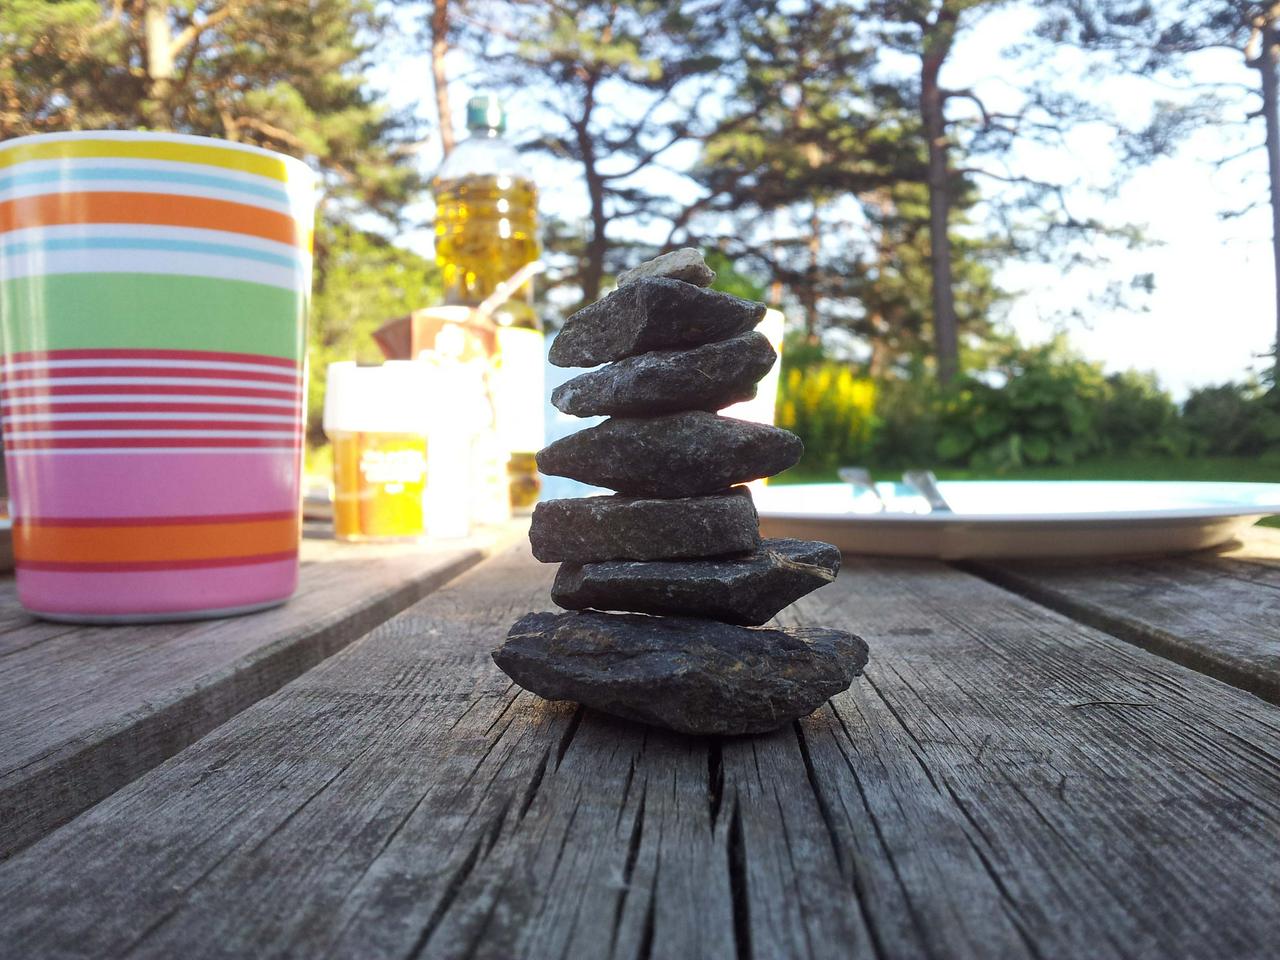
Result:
152,311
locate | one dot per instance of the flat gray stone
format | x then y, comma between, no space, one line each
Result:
684,264
677,455
747,590
692,676
652,313
709,377
591,529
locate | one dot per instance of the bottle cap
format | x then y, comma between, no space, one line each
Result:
485,113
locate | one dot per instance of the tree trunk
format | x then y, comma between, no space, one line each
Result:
946,343
597,243
592,271
878,324
159,65
1266,64
879,360
809,295
439,49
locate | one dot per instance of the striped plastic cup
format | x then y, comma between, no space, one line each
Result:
153,301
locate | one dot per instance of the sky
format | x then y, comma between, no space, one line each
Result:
1211,312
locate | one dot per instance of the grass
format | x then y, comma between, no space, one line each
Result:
1239,469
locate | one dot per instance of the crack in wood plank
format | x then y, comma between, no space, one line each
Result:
452,887
739,893
567,737
715,779
885,848
628,869
824,807
531,791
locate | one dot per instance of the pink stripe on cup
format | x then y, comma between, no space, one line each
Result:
51,485
156,592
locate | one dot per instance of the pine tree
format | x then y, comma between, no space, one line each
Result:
1160,41
283,75
627,80
818,181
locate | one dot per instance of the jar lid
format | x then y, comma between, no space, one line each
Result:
391,397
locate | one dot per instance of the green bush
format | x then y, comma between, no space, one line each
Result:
1136,417
1040,405
1233,419
832,411
906,423
1037,407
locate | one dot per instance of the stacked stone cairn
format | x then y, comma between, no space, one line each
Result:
677,549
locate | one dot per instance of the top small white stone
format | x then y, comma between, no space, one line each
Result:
685,264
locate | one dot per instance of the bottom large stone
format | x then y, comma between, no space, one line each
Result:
689,675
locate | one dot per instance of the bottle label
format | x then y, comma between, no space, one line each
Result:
378,486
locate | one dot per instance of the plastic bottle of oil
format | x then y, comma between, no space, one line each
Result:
486,230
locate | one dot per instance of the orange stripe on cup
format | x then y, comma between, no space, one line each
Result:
47,542
155,209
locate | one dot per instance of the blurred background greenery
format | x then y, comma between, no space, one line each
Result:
1033,412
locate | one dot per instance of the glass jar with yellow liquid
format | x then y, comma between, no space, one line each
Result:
486,230
377,420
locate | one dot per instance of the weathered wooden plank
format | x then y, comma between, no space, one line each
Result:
84,710
1066,795
1218,613
1004,783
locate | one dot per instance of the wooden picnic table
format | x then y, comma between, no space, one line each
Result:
1044,760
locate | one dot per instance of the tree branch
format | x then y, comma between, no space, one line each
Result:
117,12
270,130
968,94
1242,211
1238,155
193,31
647,158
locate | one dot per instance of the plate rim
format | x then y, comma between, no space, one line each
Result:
1254,509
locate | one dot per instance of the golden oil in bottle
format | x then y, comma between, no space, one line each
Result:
486,230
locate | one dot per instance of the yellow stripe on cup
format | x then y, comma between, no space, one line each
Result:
228,158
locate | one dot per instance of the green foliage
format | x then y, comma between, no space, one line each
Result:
1041,412
801,352
1233,419
831,409
279,74
907,423
816,180
362,282
1031,407
730,278
1138,418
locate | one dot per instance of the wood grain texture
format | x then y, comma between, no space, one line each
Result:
1003,783
1216,612
84,710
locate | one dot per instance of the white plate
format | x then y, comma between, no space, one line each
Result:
1011,518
